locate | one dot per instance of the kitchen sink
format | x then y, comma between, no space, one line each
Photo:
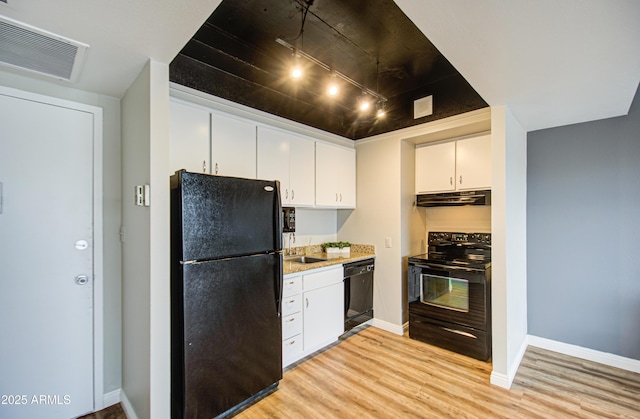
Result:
305,259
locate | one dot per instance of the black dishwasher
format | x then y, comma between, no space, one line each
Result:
358,293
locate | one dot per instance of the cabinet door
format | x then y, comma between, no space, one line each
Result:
273,159
473,163
346,159
326,175
188,139
233,147
435,168
301,172
323,316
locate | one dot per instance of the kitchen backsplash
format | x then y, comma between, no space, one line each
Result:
475,219
317,248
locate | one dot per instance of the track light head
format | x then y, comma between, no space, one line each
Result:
296,67
364,102
380,112
333,88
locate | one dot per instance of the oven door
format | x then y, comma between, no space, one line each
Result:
452,294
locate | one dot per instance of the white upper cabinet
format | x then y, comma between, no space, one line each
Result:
436,168
189,143
473,163
302,172
205,142
233,146
454,166
311,173
335,176
288,158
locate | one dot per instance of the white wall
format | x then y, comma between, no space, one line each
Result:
509,267
112,342
377,217
413,221
160,339
470,218
146,311
136,269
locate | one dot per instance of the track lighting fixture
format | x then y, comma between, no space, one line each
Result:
333,89
365,101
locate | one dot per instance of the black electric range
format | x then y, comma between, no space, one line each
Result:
449,293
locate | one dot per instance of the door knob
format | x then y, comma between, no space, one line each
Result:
82,279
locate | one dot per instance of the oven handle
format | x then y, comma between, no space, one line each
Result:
451,268
460,332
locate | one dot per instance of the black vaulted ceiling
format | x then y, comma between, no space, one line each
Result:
235,56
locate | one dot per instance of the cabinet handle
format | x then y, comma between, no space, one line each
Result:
451,180
291,343
291,301
291,320
216,171
461,179
293,194
336,197
340,197
204,166
307,302
286,194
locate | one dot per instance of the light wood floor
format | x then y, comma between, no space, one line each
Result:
376,374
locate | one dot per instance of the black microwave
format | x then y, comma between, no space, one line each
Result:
288,220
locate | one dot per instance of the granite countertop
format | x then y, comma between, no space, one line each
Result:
358,252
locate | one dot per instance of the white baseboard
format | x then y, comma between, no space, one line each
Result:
605,358
505,380
111,398
389,327
500,380
126,406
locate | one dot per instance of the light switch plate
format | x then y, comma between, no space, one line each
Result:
139,195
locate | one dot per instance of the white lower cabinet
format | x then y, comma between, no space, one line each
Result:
291,318
312,311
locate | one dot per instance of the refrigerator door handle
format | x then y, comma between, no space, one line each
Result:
279,284
277,207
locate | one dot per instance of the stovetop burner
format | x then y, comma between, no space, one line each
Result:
471,250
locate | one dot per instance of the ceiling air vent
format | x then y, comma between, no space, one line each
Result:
36,50
423,107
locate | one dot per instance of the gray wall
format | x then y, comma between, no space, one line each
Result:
583,224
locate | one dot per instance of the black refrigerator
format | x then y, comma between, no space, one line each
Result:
226,286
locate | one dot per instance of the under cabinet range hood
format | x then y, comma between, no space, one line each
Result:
451,199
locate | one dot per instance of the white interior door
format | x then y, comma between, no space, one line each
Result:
46,261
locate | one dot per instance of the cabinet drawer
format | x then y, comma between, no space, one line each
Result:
291,285
322,279
291,325
291,348
291,304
